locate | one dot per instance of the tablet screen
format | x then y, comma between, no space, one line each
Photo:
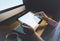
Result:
30,19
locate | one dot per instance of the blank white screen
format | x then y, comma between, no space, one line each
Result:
30,19
4,4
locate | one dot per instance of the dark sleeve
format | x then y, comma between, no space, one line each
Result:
56,36
35,37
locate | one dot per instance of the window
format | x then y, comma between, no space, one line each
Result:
4,4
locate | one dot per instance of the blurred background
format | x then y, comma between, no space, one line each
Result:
9,15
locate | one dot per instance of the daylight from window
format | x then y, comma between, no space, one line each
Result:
4,4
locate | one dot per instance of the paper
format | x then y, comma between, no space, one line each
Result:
30,19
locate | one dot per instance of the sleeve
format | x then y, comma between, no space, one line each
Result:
56,36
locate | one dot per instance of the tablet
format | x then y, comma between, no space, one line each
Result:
30,19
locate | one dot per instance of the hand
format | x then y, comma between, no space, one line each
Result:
41,14
48,19
31,33
27,29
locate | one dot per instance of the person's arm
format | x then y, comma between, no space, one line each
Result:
48,19
36,37
31,34
51,21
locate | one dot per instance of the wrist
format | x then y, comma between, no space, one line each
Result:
46,18
30,35
37,37
51,21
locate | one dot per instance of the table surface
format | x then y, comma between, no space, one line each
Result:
4,29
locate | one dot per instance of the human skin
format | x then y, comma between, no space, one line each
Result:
49,20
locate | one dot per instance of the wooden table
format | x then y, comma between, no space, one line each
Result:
4,29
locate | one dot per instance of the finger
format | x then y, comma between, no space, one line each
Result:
42,13
25,25
39,13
